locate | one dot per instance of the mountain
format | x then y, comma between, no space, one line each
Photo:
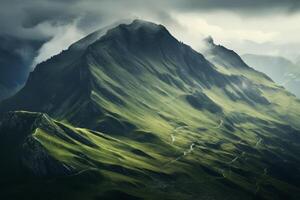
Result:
20,132
38,147
281,70
132,113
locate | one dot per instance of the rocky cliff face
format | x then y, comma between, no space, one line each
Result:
26,155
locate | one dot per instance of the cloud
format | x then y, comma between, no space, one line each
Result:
19,18
197,27
64,36
47,20
248,7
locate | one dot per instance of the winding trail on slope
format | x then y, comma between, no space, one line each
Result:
173,138
233,160
191,148
185,153
83,171
221,124
258,142
173,134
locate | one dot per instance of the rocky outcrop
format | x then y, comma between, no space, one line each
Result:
26,153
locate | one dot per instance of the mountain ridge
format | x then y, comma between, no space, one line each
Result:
83,71
282,70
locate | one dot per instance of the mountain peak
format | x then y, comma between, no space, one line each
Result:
209,40
139,27
138,23
138,37
220,55
134,25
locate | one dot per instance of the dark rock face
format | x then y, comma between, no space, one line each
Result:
202,102
25,155
38,161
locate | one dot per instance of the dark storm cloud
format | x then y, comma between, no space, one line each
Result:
38,19
44,20
241,6
40,15
20,17
33,19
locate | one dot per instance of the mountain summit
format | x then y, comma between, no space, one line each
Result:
117,65
158,120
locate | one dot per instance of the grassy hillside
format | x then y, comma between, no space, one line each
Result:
92,164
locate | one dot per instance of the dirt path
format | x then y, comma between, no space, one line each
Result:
221,124
258,142
185,153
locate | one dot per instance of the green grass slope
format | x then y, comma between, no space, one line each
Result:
158,121
57,159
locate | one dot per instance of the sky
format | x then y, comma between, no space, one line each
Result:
258,26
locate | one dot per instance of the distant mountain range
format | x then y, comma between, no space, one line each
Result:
132,113
281,70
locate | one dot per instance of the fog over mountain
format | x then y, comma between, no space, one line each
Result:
280,69
59,23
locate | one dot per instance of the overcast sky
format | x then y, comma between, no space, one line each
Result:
246,26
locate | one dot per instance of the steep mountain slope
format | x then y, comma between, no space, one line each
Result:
182,126
36,148
229,63
281,70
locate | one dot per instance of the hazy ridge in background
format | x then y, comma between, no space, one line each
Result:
280,69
